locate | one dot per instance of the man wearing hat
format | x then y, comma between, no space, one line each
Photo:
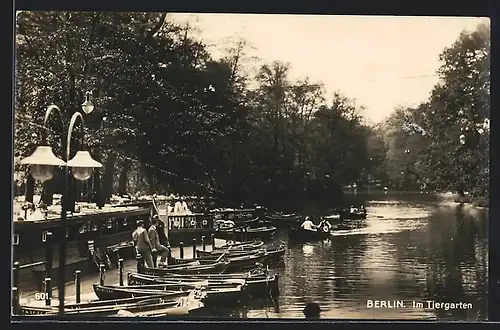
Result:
154,238
142,243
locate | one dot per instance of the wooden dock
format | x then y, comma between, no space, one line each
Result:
28,298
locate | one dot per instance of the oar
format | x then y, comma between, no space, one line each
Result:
220,258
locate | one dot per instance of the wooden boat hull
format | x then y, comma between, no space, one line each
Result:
207,276
157,312
355,216
215,254
276,255
261,233
113,293
240,246
109,308
235,263
264,287
255,286
212,296
188,284
273,255
283,221
226,297
217,267
307,235
346,214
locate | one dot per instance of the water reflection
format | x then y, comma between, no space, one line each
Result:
308,250
409,248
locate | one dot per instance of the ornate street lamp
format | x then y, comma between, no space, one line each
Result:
87,106
42,165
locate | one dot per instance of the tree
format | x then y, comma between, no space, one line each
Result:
404,145
170,113
446,139
457,117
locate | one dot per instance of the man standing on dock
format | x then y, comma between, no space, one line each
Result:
143,244
154,238
160,228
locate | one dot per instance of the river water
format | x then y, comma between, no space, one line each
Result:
411,248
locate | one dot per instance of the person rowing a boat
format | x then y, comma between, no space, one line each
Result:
142,244
308,225
325,225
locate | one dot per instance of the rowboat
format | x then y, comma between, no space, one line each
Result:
237,252
258,285
212,276
212,295
188,308
238,246
34,310
156,312
247,233
347,214
228,253
276,254
252,223
137,305
297,233
267,255
284,220
187,283
111,293
235,263
198,266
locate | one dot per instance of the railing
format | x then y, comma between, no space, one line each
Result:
191,221
28,237
244,214
206,220
33,264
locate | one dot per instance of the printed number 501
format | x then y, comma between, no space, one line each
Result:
41,295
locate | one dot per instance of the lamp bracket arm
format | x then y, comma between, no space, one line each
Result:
72,124
48,112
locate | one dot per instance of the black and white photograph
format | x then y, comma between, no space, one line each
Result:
205,166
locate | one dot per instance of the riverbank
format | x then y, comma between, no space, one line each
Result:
478,201
474,201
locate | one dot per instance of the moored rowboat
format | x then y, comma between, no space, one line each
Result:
257,285
238,246
248,233
284,220
195,267
189,304
212,295
235,263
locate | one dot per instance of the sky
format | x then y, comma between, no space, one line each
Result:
380,62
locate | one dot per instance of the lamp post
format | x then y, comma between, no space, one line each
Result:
87,106
42,165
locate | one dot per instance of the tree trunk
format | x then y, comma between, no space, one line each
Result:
96,182
108,178
30,188
123,180
48,191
